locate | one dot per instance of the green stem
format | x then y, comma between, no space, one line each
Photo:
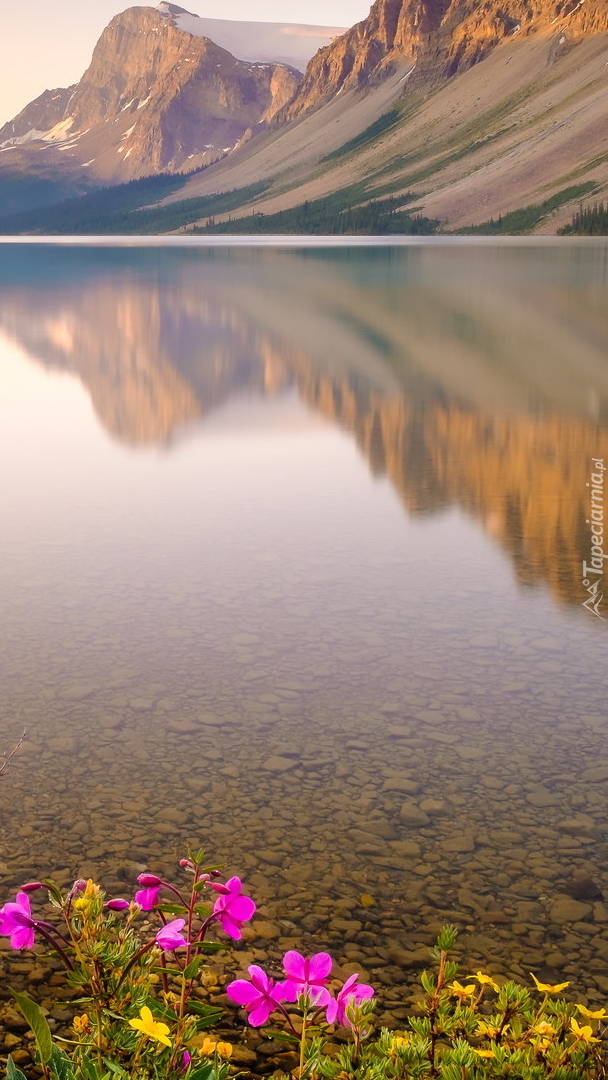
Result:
302,1044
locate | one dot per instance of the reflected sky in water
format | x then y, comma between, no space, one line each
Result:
308,527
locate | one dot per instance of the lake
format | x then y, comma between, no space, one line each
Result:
295,551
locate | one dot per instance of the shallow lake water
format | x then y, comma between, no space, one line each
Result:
291,567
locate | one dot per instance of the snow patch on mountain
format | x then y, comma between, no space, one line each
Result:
256,42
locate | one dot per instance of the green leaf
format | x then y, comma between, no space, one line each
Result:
158,1010
54,892
117,1070
61,1065
12,1072
193,967
212,946
89,1067
171,909
204,1072
283,1036
206,1022
201,1009
37,1021
202,910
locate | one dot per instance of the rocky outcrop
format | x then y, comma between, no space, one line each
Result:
155,98
38,117
442,37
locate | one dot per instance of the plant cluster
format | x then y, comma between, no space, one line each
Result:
136,984
139,988
592,221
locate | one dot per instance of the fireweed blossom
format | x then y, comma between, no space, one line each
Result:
16,922
259,997
147,898
231,908
307,977
170,938
350,994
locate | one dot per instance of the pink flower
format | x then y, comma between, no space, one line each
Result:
232,908
307,976
16,922
259,997
348,995
147,898
169,937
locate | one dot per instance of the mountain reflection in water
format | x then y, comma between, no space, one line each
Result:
471,379
279,611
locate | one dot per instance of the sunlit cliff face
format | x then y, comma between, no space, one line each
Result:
464,394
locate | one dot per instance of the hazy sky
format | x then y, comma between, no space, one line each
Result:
48,44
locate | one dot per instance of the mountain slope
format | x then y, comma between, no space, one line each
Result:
442,36
476,109
525,123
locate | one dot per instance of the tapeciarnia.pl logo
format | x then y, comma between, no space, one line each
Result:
593,572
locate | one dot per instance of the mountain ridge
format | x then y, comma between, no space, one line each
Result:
159,95
443,38
469,110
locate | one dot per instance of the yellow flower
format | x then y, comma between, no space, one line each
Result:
585,1034
81,1024
483,1028
398,1042
483,1053
211,1046
543,1028
154,1029
547,989
593,1014
91,892
485,980
462,991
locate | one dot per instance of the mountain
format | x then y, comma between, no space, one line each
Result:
467,112
475,109
442,37
159,96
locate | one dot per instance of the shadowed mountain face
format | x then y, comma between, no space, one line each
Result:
472,379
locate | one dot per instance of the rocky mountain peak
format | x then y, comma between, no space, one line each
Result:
441,37
159,95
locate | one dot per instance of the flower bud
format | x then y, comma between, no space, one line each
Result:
117,905
217,885
149,880
78,887
186,865
32,886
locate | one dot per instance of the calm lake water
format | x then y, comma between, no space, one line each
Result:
291,567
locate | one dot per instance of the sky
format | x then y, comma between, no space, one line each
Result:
45,45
